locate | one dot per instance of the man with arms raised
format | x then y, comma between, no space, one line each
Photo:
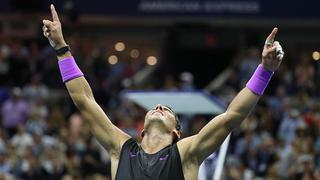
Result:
159,156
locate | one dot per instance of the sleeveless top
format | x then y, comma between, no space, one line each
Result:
135,164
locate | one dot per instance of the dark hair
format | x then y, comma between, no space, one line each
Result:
178,125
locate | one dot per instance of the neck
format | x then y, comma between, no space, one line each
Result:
155,139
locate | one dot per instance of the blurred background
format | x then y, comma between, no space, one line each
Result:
165,45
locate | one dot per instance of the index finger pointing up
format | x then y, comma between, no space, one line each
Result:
272,35
54,13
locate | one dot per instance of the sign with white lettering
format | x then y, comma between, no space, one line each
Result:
203,8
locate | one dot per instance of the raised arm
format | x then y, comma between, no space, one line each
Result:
102,128
213,134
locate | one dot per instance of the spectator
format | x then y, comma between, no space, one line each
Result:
37,115
14,112
289,125
35,89
21,140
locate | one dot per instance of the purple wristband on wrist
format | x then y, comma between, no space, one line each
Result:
69,69
259,80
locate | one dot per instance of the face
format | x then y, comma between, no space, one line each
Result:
162,114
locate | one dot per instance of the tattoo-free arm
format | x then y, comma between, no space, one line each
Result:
101,127
201,145
107,134
213,134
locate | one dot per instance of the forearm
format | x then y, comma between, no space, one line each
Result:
241,106
245,101
80,91
108,135
78,88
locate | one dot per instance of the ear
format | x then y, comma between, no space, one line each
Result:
142,133
177,133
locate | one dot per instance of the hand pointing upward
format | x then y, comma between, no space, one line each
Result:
53,31
272,53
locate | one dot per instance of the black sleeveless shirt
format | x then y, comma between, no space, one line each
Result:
135,164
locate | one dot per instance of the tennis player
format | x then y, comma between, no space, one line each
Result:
159,156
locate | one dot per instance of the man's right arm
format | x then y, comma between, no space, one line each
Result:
111,137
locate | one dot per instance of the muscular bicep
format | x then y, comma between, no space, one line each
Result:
207,140
213,134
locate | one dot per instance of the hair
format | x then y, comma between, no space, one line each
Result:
178,125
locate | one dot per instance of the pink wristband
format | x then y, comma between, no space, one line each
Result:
259,80
69,69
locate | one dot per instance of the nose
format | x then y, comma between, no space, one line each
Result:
159,107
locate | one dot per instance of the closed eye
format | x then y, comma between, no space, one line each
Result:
169,110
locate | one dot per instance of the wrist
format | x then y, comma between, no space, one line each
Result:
65,55
62,51
60,45
69,69
266,67
259,80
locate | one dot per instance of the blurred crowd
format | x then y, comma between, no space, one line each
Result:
42,135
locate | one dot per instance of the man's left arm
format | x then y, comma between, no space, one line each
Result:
201,145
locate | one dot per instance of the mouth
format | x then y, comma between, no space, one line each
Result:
157,112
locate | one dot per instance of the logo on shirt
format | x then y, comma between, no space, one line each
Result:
132,154
164,157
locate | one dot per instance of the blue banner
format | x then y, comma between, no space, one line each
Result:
294,9
204,8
